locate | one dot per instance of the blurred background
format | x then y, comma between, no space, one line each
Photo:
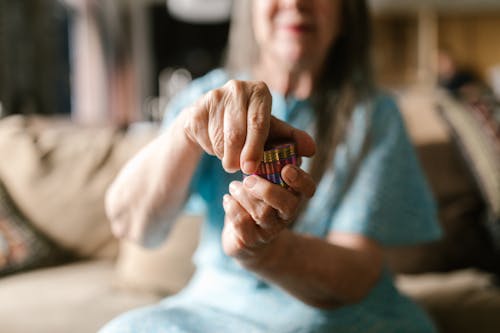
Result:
119,61
110,61
84,84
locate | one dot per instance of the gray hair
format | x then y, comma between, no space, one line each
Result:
243,49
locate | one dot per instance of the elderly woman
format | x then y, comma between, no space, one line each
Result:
305,258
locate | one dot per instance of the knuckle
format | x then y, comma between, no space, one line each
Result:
234,86
239,220
266,235
288,207
261,89
285,200
305,184
257,121
214,95
269,230
268,213
261,92
255,214
246,239
233,137
263,213
239,244
235,215
263,237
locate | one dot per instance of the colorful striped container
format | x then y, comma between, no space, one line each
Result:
275,158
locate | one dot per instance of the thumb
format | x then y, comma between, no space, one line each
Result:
283,131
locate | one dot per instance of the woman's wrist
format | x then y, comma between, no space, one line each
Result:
271,254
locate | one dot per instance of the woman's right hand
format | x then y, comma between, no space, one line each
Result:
234,122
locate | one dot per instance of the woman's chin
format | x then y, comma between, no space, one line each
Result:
295,60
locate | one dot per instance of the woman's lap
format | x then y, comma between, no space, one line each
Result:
178,318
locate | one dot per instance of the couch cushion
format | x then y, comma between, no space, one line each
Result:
72,298
57,174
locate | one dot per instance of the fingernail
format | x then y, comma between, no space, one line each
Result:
233,187
291,173
225,199
250,181
249,167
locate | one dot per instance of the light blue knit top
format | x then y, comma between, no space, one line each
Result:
387,199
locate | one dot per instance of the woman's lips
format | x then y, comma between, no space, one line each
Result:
296,29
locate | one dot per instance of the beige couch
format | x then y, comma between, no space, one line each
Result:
56,174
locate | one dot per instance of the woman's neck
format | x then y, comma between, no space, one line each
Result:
298,83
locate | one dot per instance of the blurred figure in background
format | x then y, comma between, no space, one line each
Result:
103,77
468,88
304,259
459,81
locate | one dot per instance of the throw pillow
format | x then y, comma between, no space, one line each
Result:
476,128
22,247
461,208
57,172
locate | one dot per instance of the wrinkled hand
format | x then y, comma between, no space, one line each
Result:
257,211
234,122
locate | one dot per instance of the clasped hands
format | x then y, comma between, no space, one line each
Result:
233,123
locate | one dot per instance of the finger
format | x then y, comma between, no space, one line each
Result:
299,180
232,245
241,222
258,117
214,106
284,201
280,130
263,214
235,125
196,127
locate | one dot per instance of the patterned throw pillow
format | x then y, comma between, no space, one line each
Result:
476,128
21,247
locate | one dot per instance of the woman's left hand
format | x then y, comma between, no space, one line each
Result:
257,211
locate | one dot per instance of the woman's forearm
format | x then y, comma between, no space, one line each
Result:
319,273
149,191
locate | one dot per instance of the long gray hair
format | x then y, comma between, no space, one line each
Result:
347,75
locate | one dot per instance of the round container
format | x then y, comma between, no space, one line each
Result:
275,157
